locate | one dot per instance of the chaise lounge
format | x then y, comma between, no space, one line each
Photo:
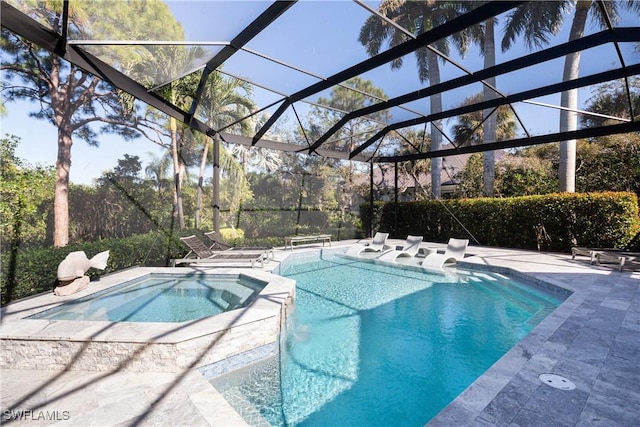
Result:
410,249
621,258
598,255
456,249
377,245
217,242
200,254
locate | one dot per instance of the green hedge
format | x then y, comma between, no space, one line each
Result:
29,272
554,222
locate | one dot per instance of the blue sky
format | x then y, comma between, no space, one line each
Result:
317,36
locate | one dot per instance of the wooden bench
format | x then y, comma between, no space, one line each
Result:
289,241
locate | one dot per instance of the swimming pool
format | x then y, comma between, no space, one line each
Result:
161,298
370,344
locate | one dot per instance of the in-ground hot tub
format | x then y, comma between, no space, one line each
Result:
221,313
162,297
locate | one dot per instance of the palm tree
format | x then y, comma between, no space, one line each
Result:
611,100
469,130
536,21
488,48
158,170
416,17
224,101
483,35
164,64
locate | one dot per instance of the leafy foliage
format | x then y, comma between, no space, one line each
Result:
611,99
469,130
25,198
29,272
552,222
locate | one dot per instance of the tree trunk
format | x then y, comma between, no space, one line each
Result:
62,118
199,190
436,136
489,134
61,194
177,195
569,100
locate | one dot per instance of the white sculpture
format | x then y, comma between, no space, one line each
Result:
71,271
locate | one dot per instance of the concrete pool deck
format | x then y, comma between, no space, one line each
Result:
592,339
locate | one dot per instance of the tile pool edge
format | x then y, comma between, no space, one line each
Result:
166,347
481,393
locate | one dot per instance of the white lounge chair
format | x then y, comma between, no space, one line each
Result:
456,248
409,249
378,244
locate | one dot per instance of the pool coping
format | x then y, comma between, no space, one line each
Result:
577,341
141,346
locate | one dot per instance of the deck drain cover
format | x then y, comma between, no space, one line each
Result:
557,381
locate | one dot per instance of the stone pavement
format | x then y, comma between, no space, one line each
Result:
592,340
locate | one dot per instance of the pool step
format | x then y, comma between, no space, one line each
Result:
245,408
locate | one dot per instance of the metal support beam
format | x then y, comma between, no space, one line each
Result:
480,14
216,183
259,24
593,40
522,142
371,207
395,198
510,99
26,27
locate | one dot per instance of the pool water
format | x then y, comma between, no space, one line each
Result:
381,346
161,298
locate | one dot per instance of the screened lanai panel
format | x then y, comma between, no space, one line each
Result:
123,21
268,73
533,77
291,127
603,105
264,100
469,129
630,53
401,113
408,17
219,20
541,115
462,96
154,65
352,95
421,106
318,36
226,104
345,98
352,135
396,81
598,59
408,140
45,14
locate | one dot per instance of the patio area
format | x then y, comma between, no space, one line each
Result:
592,339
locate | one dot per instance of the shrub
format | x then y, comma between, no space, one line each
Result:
234,236
553,222
32,271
